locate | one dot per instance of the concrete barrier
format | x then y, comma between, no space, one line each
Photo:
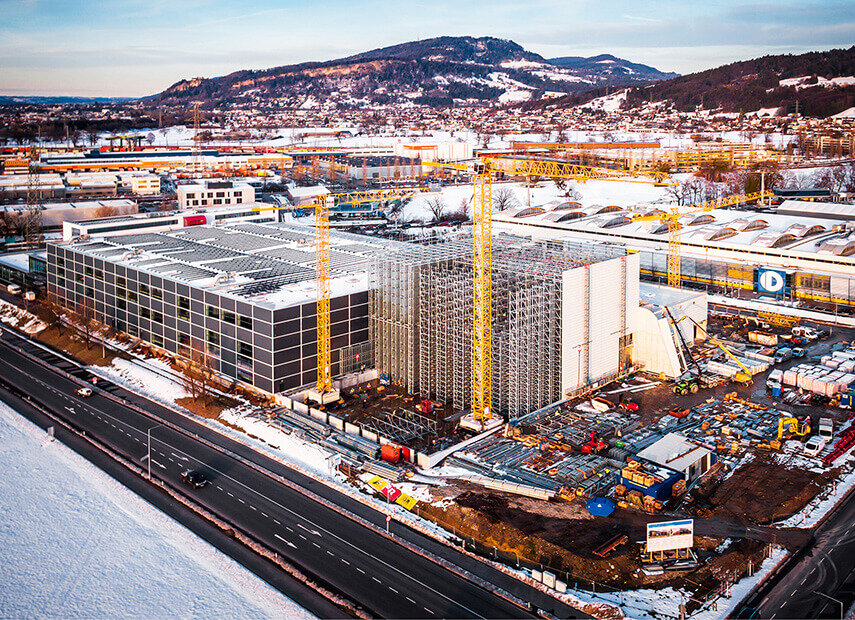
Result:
351,429
318,414
370,435
335,422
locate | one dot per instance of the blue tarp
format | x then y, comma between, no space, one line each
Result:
600,506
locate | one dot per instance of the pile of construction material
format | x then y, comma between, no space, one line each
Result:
834,375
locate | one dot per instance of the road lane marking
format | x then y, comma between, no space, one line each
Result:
360,570
230,495
394,590
265,514
241,501
277,523
253,507
377,580
356,549
317,545
345,561
219,487
411,600
301,536
158,464
429,611
287,542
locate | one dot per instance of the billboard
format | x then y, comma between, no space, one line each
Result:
670,535
772,281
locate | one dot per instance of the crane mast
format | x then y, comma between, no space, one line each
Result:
322,278
482,294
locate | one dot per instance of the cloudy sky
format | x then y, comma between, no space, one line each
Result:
139,47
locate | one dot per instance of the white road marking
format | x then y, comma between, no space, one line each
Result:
411,600
360,570
158,464
253,507
429,611
230,495
277,522
345,561
287,542
394,590
317,545
219,487
301,536
241,501
377,580
265,514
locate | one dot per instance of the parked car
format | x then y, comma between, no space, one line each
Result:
826,428
195,479
83,392
783,354
814,445
798,352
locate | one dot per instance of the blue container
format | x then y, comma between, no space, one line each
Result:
600,506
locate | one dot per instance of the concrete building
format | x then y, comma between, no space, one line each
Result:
383,167
14,187
678,453
306,196
214,193
55,214
663,327
722,250
242,294
162,221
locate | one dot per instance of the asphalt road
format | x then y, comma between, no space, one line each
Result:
388,579
826,565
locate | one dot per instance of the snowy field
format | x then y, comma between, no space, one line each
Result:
76,543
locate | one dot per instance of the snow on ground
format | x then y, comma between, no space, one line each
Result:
76,543
657,604
605,193
132,374
17,317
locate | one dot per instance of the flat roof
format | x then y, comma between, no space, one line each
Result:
675,451
271,265
666,296
21,261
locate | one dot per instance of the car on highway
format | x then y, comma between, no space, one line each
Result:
83,392
195,479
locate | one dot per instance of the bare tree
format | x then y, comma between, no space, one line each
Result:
50,313
106,211
504,198
199,369
92,136
436,205
84,315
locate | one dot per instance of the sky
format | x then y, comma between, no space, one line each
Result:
140,47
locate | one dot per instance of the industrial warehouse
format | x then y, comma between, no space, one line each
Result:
247,292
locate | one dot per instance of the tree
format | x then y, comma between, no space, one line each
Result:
50,313
84,317
436,205
92,136
106,211
199,369
504,198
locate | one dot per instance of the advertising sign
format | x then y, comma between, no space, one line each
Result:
670,535
772,281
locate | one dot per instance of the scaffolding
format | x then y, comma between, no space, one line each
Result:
422,322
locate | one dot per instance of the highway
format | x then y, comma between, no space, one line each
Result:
826,565
384,577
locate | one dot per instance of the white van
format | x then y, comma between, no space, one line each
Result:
814,445
776,377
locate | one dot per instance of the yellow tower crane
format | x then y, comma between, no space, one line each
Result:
482,250
673,220
322,265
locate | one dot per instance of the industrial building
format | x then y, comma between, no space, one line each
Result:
383,167
58,214
665,324
544,343
162,221
722,250
243,295
214,193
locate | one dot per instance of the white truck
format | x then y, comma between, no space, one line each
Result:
826,429
13,289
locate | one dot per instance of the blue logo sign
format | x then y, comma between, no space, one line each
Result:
771,281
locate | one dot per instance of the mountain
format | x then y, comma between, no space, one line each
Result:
612,70
823,84
59,99
441,71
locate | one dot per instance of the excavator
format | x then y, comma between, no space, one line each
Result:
794,426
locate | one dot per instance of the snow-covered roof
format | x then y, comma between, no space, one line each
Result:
674,451
832,210
266,264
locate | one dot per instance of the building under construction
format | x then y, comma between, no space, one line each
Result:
544,343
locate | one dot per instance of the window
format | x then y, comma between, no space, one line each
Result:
213,340
246,322
121,304
157,317
191,195
145,313
218,201
183,314
89,271
184,302
212,312
90,292
238,200
220,194
132,296
144,290
157,293
121,293
78,277
244,349
60,261
120,281
99,275
229,317
157,340
133,330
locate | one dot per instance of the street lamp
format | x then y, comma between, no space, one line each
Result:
831,598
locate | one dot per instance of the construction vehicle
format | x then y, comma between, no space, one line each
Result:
743,377
795,427
687,385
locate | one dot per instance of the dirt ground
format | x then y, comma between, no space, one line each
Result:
764,491
75,345
563,536
206,406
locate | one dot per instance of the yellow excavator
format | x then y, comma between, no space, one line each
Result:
793,426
